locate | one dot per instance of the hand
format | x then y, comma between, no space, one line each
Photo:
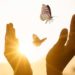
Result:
18,62
11,42
59,56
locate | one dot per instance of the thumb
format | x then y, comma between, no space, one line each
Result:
63,37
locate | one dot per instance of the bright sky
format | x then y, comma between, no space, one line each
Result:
25,15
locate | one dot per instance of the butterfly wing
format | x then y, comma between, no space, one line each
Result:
35,37
43,40
37,41
45,13
49,9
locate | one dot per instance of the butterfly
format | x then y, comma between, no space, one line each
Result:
45,13
37,41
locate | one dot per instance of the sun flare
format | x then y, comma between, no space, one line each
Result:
32,52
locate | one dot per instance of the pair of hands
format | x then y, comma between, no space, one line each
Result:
56,60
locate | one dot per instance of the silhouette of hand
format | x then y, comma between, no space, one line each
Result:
59,56
18,62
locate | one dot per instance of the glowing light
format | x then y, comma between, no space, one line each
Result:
29,50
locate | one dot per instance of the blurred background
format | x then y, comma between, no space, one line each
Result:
25,15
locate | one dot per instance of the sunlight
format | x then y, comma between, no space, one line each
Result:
32,52
26,20
25,16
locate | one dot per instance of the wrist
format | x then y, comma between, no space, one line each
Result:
51,70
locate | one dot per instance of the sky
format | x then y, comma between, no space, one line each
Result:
25,15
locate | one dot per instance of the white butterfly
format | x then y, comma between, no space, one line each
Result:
45,13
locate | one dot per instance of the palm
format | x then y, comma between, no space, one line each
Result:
61,54
56,55
18,62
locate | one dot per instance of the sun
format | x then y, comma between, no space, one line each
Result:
29,50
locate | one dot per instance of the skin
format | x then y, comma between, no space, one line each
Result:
62,52
57,57
18,62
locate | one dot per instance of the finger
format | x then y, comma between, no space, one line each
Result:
10,31
9,28
63,37
10,37
72,29
72,25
